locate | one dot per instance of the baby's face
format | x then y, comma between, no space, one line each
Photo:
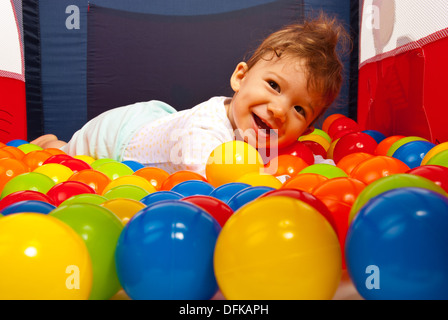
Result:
272,106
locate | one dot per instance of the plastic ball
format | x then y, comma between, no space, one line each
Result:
440,159
256,179
55,171
354,142
324,169
377,167
350,161
130,180
126,191
86,159
396,246
193,187
378,136
100,229
58,158
98,162
231,160
124,209
134,165
178,177
115,169
435,173
16,142
160,196
316,148
298,149
228,190
322,141
28,181
22,196
54,151
154,175
306,197
10,168
342,124
321,133
395,181
330,119
304,181
330,150
165,252
33,206
36,158
285,165
277,248
91,198
67,189
385,144
438,148
215,207
412,153
247,195
29,147
6,154
16,152
397,144
93,178
46,259
76,165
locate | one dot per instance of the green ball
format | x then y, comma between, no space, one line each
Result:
321,133
440,159
100,229
28,181
85,198
387,183
95,164
126,191
115,170
28,147
326,170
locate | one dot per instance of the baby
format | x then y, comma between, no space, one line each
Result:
287,84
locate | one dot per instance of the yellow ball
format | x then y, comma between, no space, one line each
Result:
435,150
86,159
42,258
277,248
123,208
57,172
230,161
260,179
317,138
130,180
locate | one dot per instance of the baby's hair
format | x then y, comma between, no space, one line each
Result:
316,42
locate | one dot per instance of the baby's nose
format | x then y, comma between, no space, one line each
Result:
278,111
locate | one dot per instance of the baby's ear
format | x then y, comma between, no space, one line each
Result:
238,75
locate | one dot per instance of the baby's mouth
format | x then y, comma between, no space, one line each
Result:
261,124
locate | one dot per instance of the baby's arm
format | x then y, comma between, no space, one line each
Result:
48,141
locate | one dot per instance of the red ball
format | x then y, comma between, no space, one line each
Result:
76,165
298,149
67,189
437,174
354,142
342,124
215,207
57,158
316,148
23,196
305,197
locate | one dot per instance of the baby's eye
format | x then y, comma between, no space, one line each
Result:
300,110
274,85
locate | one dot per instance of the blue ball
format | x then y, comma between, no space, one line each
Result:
247,195
165,252
134,165
193,187
396,246
160,196
228,190
412,153
34,206
16,142
378,136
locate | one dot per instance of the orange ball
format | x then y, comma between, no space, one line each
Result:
385,144
36,158
155,176
16,152
54,151
377,167
304,181
93,178
178,177
6,154
285,164
329,120
10,168
350,161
